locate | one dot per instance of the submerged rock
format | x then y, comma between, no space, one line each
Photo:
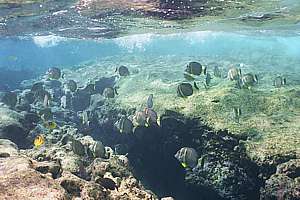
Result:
8,98
11,126
45,167
19,181
285,183
8,148
79,188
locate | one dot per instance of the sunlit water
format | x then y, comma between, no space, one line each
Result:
260,50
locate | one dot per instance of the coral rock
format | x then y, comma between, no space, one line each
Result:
18,181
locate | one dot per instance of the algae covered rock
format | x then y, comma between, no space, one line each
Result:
290,168
278,186
72,164
11,126
285,183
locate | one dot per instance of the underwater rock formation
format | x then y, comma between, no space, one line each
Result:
8,148
285,183
12,127
18,180
223,171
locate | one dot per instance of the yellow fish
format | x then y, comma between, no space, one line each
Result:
50,125
184,165
12,58
39,141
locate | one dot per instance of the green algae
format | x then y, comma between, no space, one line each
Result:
270,119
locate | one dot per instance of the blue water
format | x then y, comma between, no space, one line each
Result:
46,51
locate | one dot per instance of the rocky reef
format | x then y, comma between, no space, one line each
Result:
63,139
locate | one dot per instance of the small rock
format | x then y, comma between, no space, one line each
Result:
48,167
8,148
79,188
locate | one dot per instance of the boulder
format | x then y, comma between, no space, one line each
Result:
8,148
11,126
18,181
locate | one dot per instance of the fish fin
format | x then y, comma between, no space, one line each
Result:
115,89
284,81
196,86
204,70
255,78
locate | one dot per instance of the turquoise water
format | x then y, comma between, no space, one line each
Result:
263,49
88,39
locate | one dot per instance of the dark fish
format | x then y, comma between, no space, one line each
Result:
37,87
123,71
124,125
71,85
215,101
150,101
184,90
194,68
107,183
